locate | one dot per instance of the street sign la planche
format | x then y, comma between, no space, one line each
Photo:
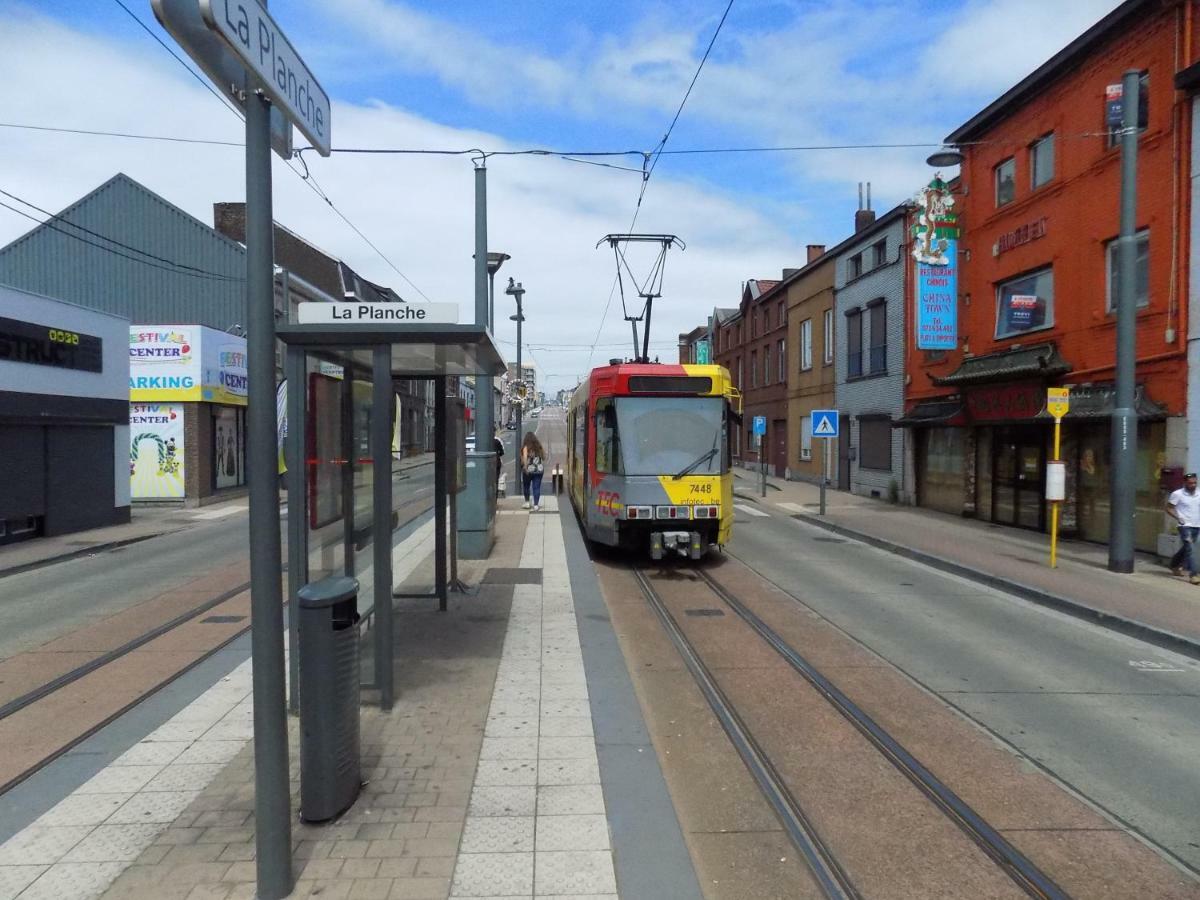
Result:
260,43
341,313
182,20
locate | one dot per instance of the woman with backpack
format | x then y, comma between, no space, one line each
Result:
532,466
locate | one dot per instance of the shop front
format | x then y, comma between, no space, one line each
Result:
983,452
187,417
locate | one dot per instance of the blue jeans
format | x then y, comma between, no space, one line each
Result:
1188,535
532,483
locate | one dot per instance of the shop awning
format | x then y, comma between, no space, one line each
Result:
1098,403
1038,361
933,413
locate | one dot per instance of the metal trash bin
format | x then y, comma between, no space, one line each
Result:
330,762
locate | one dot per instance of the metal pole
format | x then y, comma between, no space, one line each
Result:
381,521
824,470
646,330
439,490
272,794
1123,487
762,464
297,514
520,399
484,413
1054,503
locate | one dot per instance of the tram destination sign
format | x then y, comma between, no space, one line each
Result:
260,43
340,313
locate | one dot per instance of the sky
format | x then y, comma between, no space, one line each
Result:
521,74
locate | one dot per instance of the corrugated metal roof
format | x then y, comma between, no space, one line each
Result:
125,250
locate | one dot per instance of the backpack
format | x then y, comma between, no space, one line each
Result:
534,466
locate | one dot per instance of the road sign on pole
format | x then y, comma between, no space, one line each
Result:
182,20
825,423
760,425
1058,403
254,37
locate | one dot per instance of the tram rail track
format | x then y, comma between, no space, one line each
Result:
47,690
831,878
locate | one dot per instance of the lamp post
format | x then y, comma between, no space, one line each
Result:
515,289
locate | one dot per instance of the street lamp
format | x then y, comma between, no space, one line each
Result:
495,260
946,157
514,289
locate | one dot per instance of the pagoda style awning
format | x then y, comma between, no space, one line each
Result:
1040,361
933,413
1097,403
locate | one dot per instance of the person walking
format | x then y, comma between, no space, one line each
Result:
1184,507
498,447
532,467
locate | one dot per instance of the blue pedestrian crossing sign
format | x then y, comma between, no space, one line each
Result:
760,425
825,423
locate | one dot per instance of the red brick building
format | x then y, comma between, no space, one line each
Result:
752,344
1039,199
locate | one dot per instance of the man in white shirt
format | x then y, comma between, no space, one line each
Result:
1184,507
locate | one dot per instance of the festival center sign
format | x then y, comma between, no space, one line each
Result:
155,451
186,363
935,249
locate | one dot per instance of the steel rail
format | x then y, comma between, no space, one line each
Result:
1015,864
833,881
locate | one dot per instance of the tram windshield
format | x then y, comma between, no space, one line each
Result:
663,435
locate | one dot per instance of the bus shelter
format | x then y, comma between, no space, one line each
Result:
344,516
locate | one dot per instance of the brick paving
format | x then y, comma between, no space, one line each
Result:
401,837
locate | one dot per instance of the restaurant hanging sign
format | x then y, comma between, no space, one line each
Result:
935,249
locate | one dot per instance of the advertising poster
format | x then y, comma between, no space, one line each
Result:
1022,308
937,302
229,447
156,467
186,362
223,363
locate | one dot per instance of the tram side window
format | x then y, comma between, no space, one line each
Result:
580,450
608,449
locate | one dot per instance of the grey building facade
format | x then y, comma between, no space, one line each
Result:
869,312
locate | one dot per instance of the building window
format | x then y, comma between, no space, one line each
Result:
878,361
827,349
1143,270
1114,133
1006,182
806,345
875,444
854,360
782,354
854,266
782,315
1041,160
766,379
805,438
741,374
754,368
880,253
1025,303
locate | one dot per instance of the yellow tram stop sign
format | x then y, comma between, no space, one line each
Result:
1058,401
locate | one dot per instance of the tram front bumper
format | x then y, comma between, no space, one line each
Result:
685,543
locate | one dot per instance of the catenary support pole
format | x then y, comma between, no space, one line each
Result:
381,520
1123,486
519,435
272,795
484,405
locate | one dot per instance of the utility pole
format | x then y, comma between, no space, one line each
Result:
515,289
1123,488
484,416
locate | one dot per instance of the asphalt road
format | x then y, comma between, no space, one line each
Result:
45,603
1116,719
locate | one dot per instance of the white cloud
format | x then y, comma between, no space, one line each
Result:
547,214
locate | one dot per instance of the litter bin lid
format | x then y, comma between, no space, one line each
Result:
327,591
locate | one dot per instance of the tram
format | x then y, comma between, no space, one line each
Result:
648,456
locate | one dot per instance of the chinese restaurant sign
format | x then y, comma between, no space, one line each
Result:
935,249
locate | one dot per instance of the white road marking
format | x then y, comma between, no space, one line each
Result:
1149,665
792,507
220,513
750,510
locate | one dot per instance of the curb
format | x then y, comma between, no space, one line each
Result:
1168,640
76,554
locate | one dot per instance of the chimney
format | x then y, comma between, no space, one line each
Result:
865,217
815,252
229,219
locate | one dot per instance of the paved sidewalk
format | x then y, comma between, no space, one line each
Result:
1150,601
